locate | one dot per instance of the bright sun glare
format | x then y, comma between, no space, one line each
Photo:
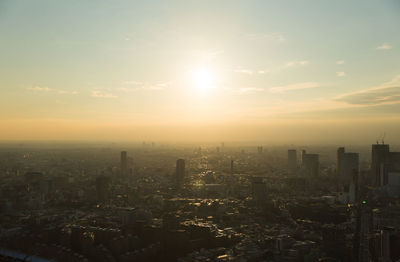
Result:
203,79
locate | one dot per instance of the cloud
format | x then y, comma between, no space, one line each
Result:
384,47
244,71
136,85
387,93
51,90
290,64
297,63
248,90
252,72
39,89
340,62
102,94
65,92
298,86
375,96
340,74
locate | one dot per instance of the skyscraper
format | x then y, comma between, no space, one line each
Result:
180,170
292,160
346,164
310,163
339,159
384,163
124,163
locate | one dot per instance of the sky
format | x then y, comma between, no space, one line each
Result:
306,71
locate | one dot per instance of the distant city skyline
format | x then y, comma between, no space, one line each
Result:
281,72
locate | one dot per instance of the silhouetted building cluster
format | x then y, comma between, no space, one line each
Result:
385,165
237,204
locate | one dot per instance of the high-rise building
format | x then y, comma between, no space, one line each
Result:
124,163
346,164
292,160
303,153
310,163
180,170
339,156
384,163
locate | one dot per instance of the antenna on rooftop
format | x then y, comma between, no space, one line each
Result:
383,138
377,140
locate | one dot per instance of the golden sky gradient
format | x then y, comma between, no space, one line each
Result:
277,71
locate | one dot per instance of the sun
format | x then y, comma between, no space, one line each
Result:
203,79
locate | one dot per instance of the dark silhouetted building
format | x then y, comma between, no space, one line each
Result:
384,164
310,163
292,160
347,163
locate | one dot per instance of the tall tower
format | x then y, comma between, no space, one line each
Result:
180,170
292,160
124,163
303,153
380,153
310,164
339,161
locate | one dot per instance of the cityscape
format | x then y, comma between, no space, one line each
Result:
200,131
93,202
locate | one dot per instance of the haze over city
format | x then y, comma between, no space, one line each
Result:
281,72
199,131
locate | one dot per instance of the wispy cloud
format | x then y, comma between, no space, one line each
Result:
136,85
39,89
384,47
51,90
340,62
65,92
285,66
298,86
248,90
340,74
251,71
297,63
387,93
102,94
244,71
375,96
